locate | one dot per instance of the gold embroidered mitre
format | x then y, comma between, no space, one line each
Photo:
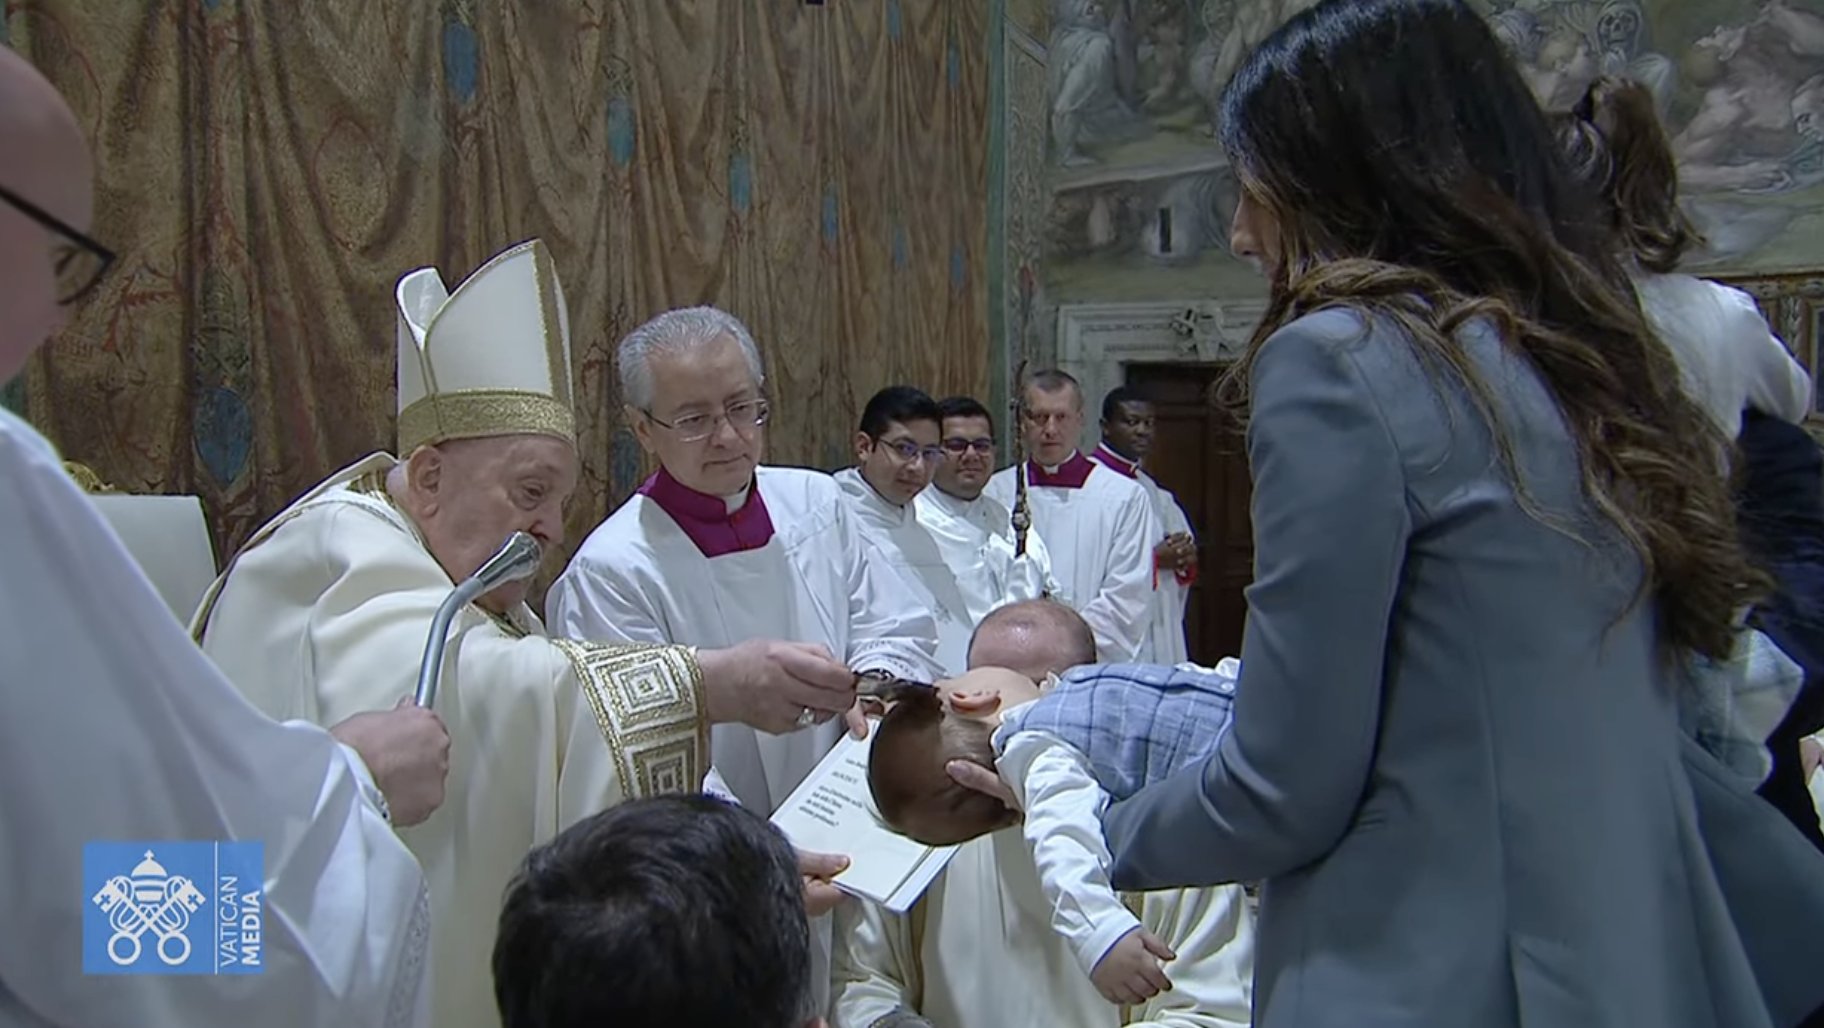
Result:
491,359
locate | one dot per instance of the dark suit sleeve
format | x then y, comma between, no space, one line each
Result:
1330,528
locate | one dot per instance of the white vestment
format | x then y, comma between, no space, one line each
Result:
1170,593
1097,535
325,613
898,541
640,578
1728,359
978,952
117,728
976,540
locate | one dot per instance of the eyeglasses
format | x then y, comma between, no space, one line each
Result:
910,451
956,446
80,261
743,417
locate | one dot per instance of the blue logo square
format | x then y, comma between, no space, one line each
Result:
173,907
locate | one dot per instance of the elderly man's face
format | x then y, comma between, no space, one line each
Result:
469,495
1052,422
47,165
710,381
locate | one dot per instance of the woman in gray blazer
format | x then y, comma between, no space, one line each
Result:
1487,524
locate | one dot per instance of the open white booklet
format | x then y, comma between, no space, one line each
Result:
831,811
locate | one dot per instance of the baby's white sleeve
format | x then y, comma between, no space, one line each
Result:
1063,826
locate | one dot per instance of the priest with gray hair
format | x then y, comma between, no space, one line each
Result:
717,547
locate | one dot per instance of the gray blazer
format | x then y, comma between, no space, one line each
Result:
1453,760
1772,879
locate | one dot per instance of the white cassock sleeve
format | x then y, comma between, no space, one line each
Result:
1029,575
1063,826
1175,520
117,728
1775,382
583,604
1121,612
886,628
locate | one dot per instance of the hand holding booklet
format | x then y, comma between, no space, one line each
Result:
832,811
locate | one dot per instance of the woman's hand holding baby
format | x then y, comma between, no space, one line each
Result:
970,775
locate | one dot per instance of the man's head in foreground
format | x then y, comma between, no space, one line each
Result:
1015,648
682,911
45,204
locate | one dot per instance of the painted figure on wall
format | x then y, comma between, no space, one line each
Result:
1087,107
1141,196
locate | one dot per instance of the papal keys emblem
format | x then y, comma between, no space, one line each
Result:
149,901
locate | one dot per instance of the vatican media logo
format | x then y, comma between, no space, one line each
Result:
173,908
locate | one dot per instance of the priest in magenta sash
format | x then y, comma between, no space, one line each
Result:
1128,423
1098,524
715,547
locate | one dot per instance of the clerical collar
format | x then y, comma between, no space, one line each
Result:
708,520
1069,475
1109,457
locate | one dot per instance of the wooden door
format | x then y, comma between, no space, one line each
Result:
1200,455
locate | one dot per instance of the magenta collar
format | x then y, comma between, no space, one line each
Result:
1070,475
706,519
1108,457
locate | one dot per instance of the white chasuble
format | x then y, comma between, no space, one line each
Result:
899,542
975,538
115,727
1171,589
978,951
324,614
1096,525
786,563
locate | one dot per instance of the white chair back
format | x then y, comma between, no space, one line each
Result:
169,538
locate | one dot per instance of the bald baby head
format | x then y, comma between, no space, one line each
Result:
1033,637
44,163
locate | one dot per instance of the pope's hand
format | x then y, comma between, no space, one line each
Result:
816,869
407,750
970,775
776,687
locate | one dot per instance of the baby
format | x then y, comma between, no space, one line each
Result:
1066,749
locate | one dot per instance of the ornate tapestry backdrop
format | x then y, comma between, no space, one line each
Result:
270,168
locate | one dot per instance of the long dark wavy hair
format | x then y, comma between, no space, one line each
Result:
1414,178
1613,142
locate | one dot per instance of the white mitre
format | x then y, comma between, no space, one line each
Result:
492,359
